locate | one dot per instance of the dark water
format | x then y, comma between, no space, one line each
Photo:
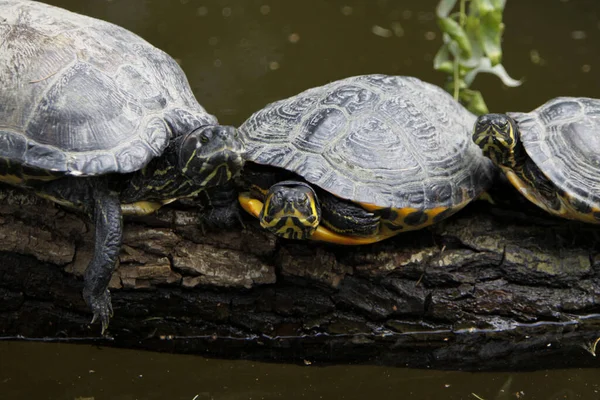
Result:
242,54
42,371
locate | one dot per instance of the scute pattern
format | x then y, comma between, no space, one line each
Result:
563,138
391,141
86,97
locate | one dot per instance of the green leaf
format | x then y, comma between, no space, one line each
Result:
472,31
444,7
491,28
474,102
499,4
486,66
485,6
442,62
453,29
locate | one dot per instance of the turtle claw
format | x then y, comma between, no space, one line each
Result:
102,309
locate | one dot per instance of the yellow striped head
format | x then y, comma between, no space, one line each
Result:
498,137
291,210
211,155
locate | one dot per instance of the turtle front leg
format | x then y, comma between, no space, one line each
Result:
347,218
224,210
109,235
219,205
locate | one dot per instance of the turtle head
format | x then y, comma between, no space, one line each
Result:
498,137
291,210
211,155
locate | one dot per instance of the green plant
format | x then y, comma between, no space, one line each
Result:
472,45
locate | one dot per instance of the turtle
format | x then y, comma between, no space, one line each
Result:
98,120
551,155
360,159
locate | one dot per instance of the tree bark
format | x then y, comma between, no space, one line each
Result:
486,289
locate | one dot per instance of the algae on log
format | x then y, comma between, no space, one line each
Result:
482,290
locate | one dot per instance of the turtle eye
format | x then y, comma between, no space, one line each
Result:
204,138
278,197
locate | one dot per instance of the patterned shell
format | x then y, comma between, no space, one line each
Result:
391,141
562,137
83,96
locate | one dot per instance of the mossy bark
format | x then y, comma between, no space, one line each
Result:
486,289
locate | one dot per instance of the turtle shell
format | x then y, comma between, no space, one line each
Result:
562,137
85,97
387,141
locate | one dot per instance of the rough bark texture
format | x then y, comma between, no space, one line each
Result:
484,290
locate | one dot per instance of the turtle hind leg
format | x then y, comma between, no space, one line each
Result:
108,238
347,218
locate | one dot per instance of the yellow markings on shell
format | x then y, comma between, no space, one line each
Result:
566,210
572,213
323,234
525,188
402,213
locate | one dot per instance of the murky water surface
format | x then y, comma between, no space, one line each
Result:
240,55
58,371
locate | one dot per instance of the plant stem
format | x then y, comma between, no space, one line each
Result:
462,21
456,85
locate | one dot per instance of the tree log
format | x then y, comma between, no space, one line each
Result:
486,289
